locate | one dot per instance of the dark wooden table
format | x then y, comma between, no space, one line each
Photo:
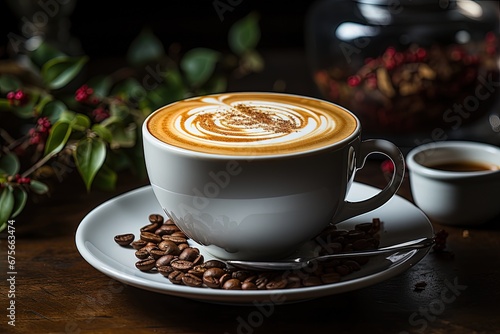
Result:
57,291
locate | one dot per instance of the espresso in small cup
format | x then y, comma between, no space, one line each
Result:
456,182
464,166
254,175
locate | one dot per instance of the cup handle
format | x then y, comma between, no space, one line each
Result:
351,209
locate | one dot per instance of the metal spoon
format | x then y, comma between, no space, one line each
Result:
301,262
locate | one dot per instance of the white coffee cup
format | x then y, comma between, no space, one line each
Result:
456,197
262,206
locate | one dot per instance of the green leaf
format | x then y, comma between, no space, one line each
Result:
111,121
106,179
38,187
244,35
198,65
103,132
59,71
123,136
53,110
44,53
217,84
89,157
129,89
28,110
20,198
252,61
58,136
101,85
81,122
67,116
119,110
5,104
146,47
9,164
9,83
6,204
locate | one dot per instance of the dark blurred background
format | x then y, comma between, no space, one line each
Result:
105,29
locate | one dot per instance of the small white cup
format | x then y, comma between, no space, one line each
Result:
463,198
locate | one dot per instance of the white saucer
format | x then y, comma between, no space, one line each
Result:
127,213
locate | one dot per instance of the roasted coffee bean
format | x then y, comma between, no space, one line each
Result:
211,277
293,282
197,270
165,270
248,286
176,277
166,229
149,246
169,222
180,234
149,228
189,254
214,264
199,260
353,265
343,269
182,246
226,277
312,281
177,240
165,260
365,227
355,234
138,244
150,237
124,239
261,282
330,278
252,278
146,264
156,219
331,248
277,283
156,253
141,254
242,275
169,247
232,284
192,280
181,265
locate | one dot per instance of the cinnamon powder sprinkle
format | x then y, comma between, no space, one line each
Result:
251,117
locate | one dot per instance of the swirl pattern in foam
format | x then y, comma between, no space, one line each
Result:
251,124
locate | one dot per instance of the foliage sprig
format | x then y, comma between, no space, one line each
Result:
63,123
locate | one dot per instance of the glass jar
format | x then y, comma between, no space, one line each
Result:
412,71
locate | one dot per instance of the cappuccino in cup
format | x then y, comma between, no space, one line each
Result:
235,170
250,124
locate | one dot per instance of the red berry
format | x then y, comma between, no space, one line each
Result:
17,98
421,54
354,80
83,93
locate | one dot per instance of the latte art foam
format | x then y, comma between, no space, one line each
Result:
251,124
